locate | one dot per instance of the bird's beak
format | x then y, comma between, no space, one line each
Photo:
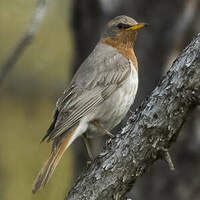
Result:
137,26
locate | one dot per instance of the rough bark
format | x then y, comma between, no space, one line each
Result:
148,133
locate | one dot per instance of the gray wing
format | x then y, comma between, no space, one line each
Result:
97,78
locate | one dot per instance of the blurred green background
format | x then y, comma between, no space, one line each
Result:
28,97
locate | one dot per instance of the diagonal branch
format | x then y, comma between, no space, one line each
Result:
26,40
149,131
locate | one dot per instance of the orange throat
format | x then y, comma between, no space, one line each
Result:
126,50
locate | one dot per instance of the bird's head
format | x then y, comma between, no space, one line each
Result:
122,30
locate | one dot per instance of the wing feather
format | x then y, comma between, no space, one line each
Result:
89,88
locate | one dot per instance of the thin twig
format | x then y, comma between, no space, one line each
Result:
167,157
26,39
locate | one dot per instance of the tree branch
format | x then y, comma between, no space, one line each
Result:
153,127
26,40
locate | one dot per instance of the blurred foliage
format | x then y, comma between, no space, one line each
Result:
45,61
28,98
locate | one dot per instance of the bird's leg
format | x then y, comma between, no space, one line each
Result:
99,125
85,140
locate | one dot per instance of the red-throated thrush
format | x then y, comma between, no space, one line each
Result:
99,95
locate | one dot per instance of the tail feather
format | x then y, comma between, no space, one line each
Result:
50,165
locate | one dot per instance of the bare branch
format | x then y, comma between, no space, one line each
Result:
154,126
26,40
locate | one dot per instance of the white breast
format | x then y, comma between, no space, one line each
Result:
117,105
113,110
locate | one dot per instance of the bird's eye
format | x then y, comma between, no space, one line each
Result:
123,26
120,26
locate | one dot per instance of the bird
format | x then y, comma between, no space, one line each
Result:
99,95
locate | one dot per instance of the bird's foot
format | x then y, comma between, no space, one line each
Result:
100,126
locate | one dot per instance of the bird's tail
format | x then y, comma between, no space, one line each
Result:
50,165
